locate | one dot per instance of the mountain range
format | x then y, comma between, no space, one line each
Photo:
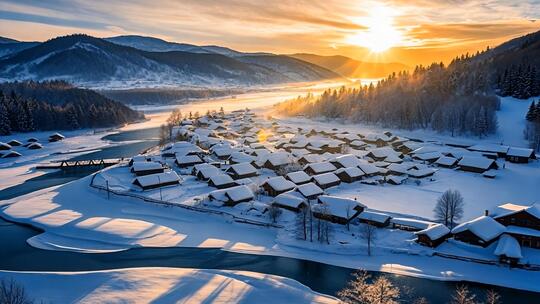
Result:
134,62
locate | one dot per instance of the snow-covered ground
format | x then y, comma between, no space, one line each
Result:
79,218
16,170
163,285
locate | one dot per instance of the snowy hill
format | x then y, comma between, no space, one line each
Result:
91,61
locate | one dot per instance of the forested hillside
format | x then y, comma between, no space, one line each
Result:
57,105
459,98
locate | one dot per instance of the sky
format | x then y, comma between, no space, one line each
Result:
410,32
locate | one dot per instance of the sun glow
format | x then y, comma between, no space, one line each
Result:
381,34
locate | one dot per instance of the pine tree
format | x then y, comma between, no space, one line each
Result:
531,113
5,127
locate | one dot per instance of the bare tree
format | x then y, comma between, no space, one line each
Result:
13,293
462,295
382,291
356,289
369,233
274,212
449,208
302,224
492,297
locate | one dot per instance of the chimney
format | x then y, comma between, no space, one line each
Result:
486,212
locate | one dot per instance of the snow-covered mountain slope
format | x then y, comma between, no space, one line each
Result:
86,60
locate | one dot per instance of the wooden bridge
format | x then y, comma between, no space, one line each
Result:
74,164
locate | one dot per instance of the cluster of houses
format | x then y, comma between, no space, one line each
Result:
243,156
7,149
511,226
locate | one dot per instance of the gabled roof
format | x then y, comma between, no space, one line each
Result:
279,183
309,189
326,178
520,152
485,227
339,206
476,162
242,169
321,167
347,160
434,232
299,177
221,179
188,159
351,171
145,166
291,199
446,161
158,179
377,217
508,208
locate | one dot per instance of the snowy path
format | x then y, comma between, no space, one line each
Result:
511,120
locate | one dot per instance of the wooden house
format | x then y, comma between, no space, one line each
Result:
188,161
14,143
310,191
480,231
433,236
376,219
522,222
319,168
326,180
477,164
243,170
292,201
56,137
232,196
221,181
157,180
336,209
146,168
410,224
349,174
298,177
277,185
520,155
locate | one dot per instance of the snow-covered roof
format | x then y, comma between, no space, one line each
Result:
326,178
12,154
476,162
523,231
347,160
313,158
434,232
485,227
490,148
291,199
410,222
188,159
298,177
35,145
145,166
396,179
279,183
508,246
401,168
235,194
299,152
321,167
241,157
369,168
446,161
279,158
508,208
157,179
351,171
428,156
383,152
208,170
520,152
242,169
418,173
374,216
338,206
221,179
309,189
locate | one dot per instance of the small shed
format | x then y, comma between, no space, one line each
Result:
146,168
4,146
14,143
10,154
446,162
32,139
277,185
35,146
508,250
433,236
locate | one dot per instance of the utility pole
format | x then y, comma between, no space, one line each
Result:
160,195
108,194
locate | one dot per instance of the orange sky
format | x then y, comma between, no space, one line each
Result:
416,31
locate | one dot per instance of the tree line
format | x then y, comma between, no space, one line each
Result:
56,105
532,128
447,99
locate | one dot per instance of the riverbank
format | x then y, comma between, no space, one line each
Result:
78,218
164,285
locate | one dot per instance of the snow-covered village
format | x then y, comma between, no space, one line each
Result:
399,165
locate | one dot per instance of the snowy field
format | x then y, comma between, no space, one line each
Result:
163,285
76,217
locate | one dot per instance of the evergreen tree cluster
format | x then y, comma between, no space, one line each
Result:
449,98
521,81
532,129
56,105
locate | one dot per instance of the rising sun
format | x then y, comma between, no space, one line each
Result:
380,33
